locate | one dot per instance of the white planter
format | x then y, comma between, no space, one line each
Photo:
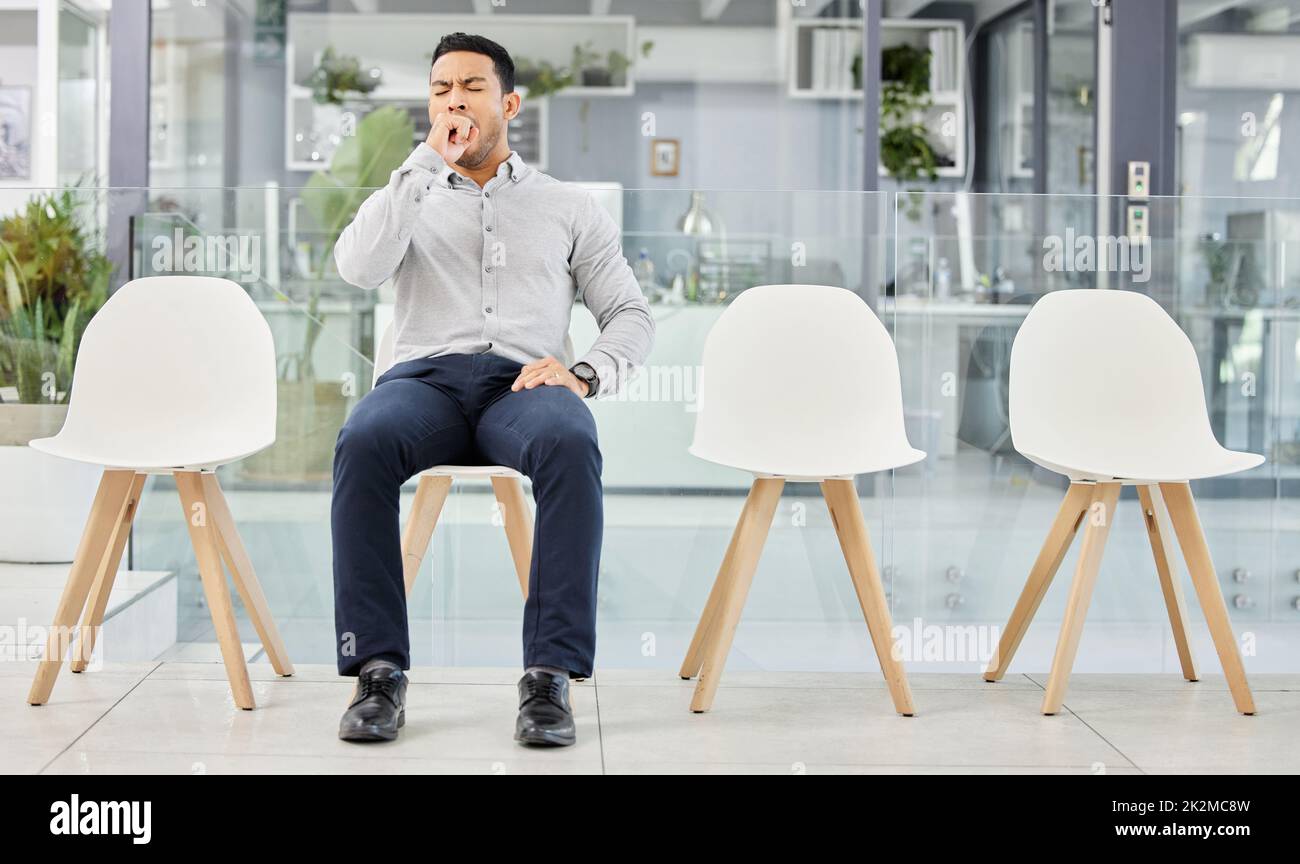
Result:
44,503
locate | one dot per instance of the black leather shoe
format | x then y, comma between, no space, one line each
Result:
378,706
545,717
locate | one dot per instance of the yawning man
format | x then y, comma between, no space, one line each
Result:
487,256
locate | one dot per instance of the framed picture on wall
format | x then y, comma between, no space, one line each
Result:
665,154
15,133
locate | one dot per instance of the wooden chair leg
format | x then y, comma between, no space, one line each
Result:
244,576
1099,518
105,514
706,627
855,542
1066,525
430,495
93,617
518,523
202,525
1156,519
752,530
1187,525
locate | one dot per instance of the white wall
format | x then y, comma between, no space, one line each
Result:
26,28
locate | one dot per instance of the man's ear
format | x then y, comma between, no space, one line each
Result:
512,105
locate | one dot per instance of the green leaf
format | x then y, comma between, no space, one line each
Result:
361,164
13,293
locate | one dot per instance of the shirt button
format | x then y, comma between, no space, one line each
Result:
487,194
488,310
489,227
488,268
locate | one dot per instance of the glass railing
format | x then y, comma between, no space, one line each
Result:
968,523
952,275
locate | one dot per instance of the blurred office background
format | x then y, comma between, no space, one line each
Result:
923,155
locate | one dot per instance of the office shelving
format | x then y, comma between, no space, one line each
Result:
823,52
401,46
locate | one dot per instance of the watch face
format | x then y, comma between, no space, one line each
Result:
588,375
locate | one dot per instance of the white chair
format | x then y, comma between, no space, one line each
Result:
431,493
799,383
175,375
1106,389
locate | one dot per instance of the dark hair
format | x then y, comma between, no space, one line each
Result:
505,67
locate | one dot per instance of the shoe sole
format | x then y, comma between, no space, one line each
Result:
374,732
542,738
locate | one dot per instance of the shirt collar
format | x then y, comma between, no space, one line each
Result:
517,166
514,167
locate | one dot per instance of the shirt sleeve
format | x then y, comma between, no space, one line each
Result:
608,288
370,249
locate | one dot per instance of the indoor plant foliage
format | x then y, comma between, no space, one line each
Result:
337,75
587,67
905,152
311,410
541,78
55,279
361,164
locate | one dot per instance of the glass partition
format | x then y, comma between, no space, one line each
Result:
969,521
952,275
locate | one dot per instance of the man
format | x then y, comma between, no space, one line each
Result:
487,256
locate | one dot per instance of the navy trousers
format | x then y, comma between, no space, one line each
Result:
459,409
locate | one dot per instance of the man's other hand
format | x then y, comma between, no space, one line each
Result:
550,372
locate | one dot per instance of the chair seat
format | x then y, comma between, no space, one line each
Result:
145,456
1169,466
470,471
809,467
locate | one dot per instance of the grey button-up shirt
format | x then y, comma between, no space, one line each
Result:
496,269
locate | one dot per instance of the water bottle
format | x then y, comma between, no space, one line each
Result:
644,270
942,280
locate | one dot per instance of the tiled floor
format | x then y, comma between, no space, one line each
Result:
176,716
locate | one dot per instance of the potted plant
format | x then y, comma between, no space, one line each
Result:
311,410
587,66
541,78
618,62
55,278
334,81
337,75
905,150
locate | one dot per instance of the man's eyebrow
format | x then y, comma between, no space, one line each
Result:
471,79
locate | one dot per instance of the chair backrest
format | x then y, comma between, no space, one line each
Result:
1101,374
801,380
175,364
383,353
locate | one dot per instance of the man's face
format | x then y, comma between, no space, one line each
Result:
465,83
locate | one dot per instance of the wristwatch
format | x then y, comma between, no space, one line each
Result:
584,372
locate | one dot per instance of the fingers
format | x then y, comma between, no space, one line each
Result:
439,132
463,130
539,376
450,134
544,371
